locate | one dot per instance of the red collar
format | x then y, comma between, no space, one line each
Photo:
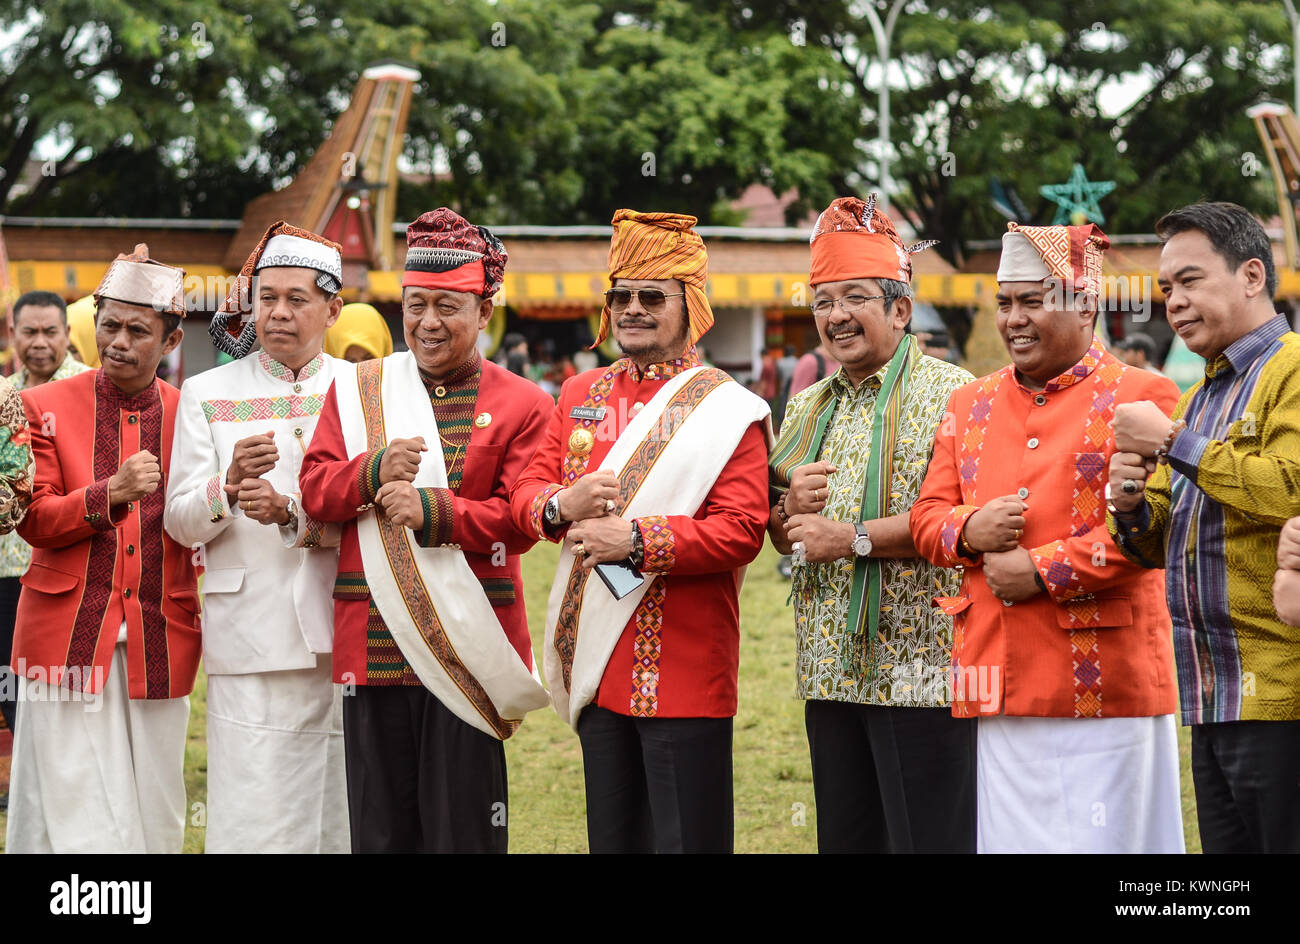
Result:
111,394
666,369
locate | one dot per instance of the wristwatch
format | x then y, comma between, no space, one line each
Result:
637,557
862,542
292,509
551,513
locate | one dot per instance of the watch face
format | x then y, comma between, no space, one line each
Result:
862,545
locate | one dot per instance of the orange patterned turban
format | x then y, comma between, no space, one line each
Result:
854,240
660,246
1070,253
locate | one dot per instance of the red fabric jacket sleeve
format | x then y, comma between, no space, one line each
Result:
482,525
329,480
56,517
537,482
727,532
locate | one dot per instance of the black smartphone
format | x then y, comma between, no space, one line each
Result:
620,577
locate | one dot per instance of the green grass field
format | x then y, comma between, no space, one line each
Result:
773,780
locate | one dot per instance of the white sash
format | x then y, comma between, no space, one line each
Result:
698,449
468,621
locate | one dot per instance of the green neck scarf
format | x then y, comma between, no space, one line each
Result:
797,447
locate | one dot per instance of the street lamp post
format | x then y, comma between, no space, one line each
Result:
1294,17
884,33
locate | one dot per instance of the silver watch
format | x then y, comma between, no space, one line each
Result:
862,542
292,508
551,512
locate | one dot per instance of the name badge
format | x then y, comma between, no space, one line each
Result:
587,413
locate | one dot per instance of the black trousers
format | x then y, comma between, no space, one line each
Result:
1247,779
9,590
656,784
419,778
891,779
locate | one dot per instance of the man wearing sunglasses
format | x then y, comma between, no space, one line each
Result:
653,474
893,771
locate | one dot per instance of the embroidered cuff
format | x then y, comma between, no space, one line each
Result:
217,505
1058,574
952,528
98,515
313,531
309,532
439,514
368,475
660,544
1186,452
535,520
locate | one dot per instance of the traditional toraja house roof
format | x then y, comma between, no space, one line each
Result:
348,190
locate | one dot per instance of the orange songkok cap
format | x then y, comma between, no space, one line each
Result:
854,240
660,246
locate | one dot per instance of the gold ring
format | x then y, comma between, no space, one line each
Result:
609,505
578,549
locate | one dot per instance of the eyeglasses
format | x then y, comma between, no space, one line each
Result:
653,300
852,304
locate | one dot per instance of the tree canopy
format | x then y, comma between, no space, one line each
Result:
542,111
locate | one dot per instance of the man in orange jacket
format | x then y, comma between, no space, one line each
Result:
1061,646
107,635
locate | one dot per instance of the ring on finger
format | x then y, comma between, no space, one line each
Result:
1130,486
578,549
609,506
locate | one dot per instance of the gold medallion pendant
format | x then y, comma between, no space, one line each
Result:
581,441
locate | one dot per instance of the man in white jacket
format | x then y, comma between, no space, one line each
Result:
276,780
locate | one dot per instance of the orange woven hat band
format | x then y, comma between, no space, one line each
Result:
661,246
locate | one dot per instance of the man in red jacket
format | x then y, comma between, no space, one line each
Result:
107,636
415,454
1061,646
655,465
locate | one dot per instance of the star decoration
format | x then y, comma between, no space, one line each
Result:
1076,199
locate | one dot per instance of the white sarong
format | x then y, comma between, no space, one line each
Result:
97,773
276,778
1079,785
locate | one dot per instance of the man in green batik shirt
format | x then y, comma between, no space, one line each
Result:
893,771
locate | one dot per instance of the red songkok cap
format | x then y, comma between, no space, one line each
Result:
446,251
